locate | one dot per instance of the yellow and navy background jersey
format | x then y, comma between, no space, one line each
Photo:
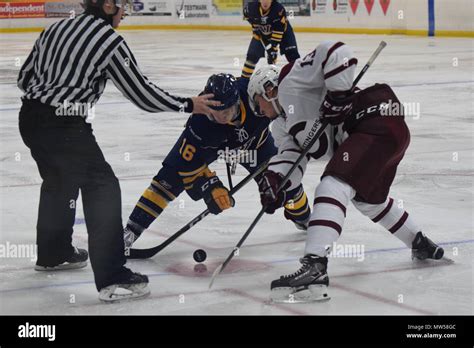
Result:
268,26
200,143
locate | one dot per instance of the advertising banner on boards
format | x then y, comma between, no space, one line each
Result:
62,9
21,10
193,8
152,8
227,7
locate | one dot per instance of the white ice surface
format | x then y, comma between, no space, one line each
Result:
435,182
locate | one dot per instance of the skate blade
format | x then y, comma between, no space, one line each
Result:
61,267
442,261
447,260
314,293
125,293
437,255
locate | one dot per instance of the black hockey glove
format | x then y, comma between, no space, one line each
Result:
336,107
272,54
269,197
216,196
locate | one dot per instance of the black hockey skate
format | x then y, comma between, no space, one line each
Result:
307,284
130,286
78,259
301,225
423,248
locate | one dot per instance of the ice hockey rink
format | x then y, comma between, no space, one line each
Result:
434,184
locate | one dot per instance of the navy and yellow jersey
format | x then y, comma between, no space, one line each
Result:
203,140
267,26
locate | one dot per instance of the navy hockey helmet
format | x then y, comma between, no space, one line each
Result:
224,88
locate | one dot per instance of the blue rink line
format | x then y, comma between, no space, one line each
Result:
160,274
375,251
396,86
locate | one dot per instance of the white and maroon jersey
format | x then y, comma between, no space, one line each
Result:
301,90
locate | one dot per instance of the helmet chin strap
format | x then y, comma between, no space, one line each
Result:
278,109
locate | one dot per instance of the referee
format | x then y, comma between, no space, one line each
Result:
62,78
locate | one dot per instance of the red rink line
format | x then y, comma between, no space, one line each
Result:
292,308
286,308
355,274
239,293
382,299
341,287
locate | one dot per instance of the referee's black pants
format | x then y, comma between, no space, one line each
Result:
69,159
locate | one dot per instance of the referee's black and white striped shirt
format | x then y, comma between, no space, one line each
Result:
72,60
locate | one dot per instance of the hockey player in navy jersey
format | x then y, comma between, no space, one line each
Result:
231,126
271,31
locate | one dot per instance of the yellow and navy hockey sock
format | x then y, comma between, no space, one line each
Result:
150,205
297,209
248,69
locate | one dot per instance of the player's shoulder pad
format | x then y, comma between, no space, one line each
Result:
252,8
377,93
206,132
242,85
246,11
337,47
279,9
377,88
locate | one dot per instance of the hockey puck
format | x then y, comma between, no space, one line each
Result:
199,255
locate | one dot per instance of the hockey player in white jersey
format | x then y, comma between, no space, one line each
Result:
365,148
289,132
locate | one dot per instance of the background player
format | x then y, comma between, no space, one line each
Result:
270,29
231,126
361,170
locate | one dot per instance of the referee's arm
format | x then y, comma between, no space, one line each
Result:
127,77
27,70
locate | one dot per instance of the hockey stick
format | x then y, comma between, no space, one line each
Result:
265,51
150,252
229,175
316,136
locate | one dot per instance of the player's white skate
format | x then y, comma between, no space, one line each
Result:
308,284
78,259
134,287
